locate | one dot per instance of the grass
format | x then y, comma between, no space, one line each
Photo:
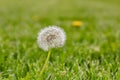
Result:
91,52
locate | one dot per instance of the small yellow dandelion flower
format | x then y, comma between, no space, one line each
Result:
77,23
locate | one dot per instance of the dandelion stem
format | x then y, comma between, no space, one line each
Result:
46,62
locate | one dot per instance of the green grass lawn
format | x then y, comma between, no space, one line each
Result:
91,52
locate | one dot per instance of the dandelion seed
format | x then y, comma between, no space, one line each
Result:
51,37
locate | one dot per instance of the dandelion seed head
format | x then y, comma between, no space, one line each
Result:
51,37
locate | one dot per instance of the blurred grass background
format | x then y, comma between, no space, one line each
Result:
91,52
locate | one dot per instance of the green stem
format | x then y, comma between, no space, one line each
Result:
46,62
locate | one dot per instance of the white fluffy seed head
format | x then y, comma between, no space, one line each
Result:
51,37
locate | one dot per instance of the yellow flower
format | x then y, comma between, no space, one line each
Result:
77,23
